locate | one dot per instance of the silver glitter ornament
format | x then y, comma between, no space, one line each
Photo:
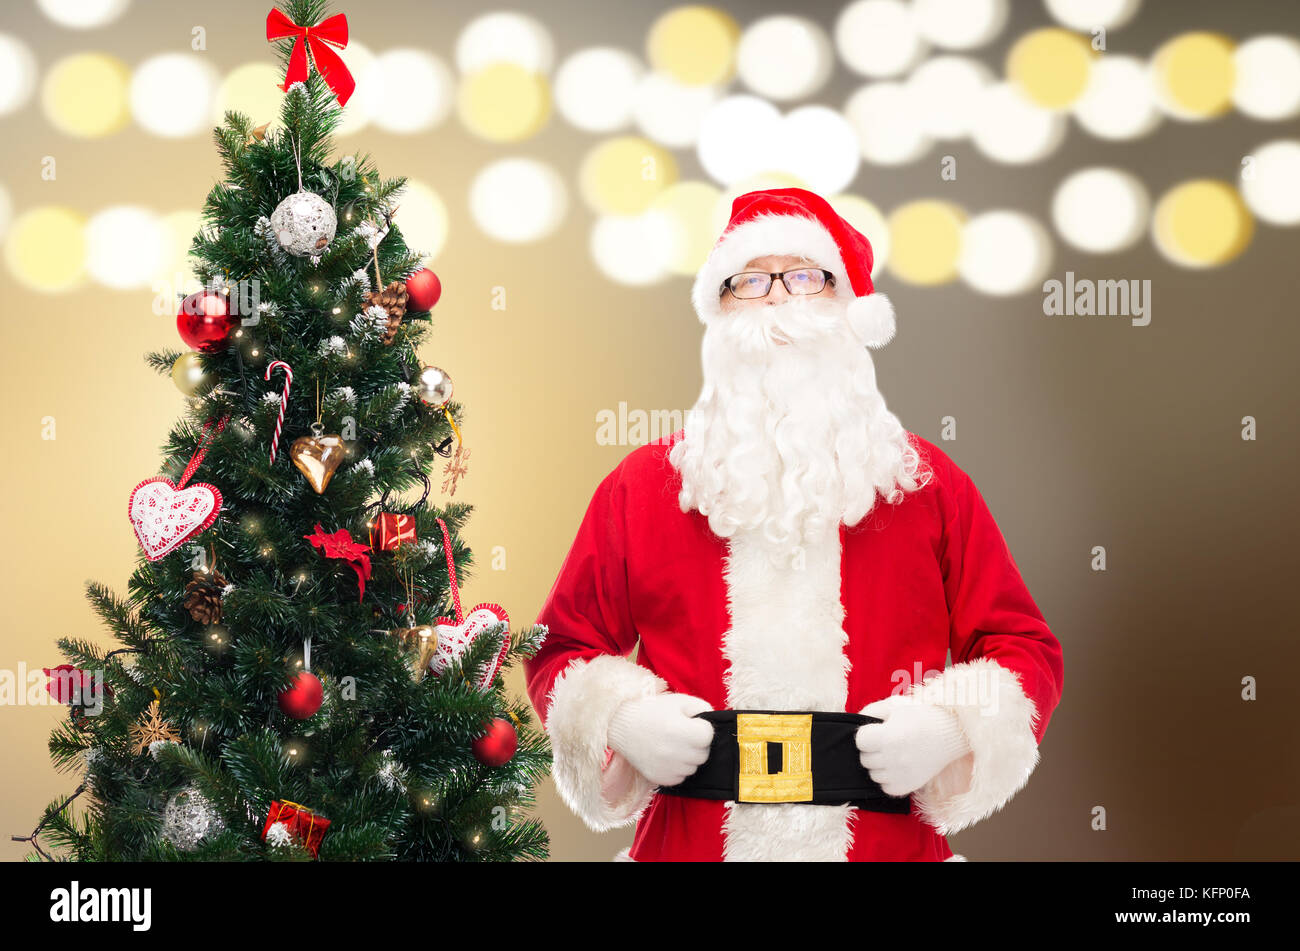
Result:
304,224
190,818
434,386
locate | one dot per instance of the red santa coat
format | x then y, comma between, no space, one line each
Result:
872,611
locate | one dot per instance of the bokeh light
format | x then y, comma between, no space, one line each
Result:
518,200
172,94
687,209
85,94
889,127
505,37
1267,83
180,228
925,241
694,44
46,249
1089,15
17,74
1050,67
251,89
633,250
669,112
878,38
422,218
945,91
867,219
1009,128
365,98
1004,253
126,247
1101,210
960,24
784,57
735,137
1270,183
818,145
1194,75
407,90
1201,223
1117,102
621,176
594,88
83,14
504,102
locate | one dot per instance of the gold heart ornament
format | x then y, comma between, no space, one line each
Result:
318,456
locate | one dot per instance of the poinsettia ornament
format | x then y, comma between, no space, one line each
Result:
165,514
340,545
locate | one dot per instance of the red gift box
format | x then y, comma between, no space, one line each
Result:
392,530
303,824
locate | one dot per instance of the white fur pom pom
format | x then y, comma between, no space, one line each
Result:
872,319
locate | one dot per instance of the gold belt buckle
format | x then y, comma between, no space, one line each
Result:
794,782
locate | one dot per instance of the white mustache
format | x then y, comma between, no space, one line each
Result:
758,330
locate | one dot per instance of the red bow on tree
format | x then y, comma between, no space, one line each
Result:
329,33
340,545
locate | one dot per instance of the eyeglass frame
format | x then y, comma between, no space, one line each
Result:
772,276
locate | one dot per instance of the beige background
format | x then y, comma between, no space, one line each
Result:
1079,432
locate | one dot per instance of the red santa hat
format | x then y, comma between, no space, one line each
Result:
796,221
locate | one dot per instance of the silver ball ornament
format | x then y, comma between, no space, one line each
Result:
304,224
434,386
190,818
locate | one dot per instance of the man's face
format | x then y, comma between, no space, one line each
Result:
772,264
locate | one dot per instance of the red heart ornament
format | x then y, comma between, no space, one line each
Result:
454,639
164,517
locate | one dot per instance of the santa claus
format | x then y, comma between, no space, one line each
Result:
797,568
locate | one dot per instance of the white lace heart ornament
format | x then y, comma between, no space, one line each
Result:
455,635
166,514
455,638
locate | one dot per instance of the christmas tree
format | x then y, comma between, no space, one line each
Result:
296,676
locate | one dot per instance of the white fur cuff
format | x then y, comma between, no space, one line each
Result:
582,703
998,719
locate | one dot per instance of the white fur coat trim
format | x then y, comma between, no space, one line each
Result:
582,704
998,719
785,651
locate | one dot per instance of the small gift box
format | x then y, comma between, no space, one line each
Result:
392,530
288,820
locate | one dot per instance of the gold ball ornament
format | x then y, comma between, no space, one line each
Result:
187,373
434,387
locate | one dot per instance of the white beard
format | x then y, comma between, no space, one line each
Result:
790,440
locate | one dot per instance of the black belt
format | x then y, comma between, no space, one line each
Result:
769,756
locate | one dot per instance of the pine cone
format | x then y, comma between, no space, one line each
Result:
203,596
393,300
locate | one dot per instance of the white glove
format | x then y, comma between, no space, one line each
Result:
660,736
913,744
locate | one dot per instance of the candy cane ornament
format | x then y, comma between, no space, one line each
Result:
284,401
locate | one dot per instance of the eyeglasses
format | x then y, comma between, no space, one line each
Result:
750,285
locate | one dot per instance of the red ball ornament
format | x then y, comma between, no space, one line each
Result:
423,290
498,745
205,321
304,698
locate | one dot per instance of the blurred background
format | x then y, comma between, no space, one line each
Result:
570,165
